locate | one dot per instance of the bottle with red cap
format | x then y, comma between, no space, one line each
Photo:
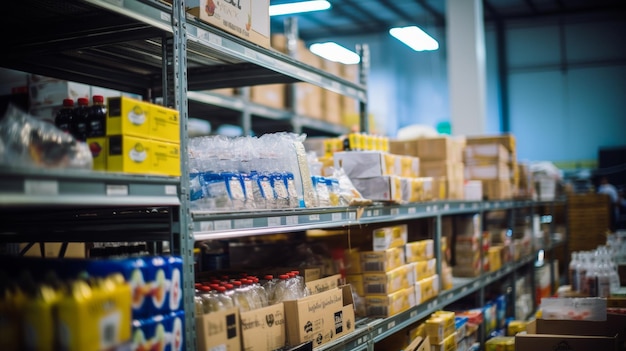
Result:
81,120
64,117
97,117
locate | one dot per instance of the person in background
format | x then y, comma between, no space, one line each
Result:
609,189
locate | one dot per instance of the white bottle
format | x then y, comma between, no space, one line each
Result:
603,277
574,265
583,288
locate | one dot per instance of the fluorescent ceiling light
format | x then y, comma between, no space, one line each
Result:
415,38
298,7
335,52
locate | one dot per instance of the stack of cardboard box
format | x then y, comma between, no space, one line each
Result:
588,220
471,254
493,160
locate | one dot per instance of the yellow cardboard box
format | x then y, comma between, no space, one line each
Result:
128,117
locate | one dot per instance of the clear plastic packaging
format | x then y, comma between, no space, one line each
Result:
30,142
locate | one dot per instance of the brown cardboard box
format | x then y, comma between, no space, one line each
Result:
615,324
536,342
331,101
323,284
219,330
264,328
382,261
419,344
73,250
491,171
443,168
498,189
390,304
403,147
272,95
321,317
441,148
356,282
250,21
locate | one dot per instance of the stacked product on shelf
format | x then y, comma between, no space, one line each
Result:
471,253
492,160
440,158
588,221
83,304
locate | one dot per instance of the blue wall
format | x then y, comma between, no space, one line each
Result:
566,86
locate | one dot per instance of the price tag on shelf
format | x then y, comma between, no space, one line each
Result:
249,53
427,208
117,190
464,289
171,190
314,218
292,220
244,223
395,211
462,206
352,216
446,207
41,187
412,210
376,213
273,221
474,205
335,217
413,314
164,16
391,325
222,225
368,213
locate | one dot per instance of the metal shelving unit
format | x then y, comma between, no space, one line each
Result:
153,49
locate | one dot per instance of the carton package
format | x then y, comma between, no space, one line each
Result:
323,284
320,318
164,124
377,283
219,330
356,282
419,344
426,288
403,147
382,261
420,250
130,154
248,20
441,148
366,164
416,189
128,117
440,326
52,92
264,328
473,190
383,188
442,168
390,304
425,269
389,237
153,332
497,189
409,166
492,171
488,152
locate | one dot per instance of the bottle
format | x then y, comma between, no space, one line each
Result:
63,118
225,297
603,277
591,278
269,285
240,296
97,117
210,302
260,292
583,288
281,291
81,120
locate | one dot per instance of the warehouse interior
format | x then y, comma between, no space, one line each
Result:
232,190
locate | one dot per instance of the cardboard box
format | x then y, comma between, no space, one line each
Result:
164,124
264,328
409,166
403,147
453,189
383,188
128,117
426,289
419,250
272,95
498,170
441,148
419,344
166,158
129,154
473,190
534,342
366,164
416,189
389,237
497,189
448,169
377,283
52,92
488,152
99,151
382,261
248,20
219,330
391,304
323,284
507,140
425,269
52,250
320,318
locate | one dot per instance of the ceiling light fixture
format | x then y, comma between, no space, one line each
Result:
415,38
298,7
335,52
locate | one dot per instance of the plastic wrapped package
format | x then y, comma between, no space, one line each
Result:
348,194
30,142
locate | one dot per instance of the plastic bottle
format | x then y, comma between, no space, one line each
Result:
572,271
582,272
301,285
280,291
210,301
224,296
591,278
63,119
269,285
603,277
81,120
260,292
240,296
97,117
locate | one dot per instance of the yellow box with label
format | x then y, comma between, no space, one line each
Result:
419,250
391,304
130,154
128,116
164,124
165,158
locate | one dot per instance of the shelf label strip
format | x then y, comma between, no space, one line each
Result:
117,190
273,221
41,187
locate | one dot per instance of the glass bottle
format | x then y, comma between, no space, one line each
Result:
63,119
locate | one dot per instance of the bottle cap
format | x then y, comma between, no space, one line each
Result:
98,98
205,288
221,289
283,276
83,101
68,102
237,283
269,277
